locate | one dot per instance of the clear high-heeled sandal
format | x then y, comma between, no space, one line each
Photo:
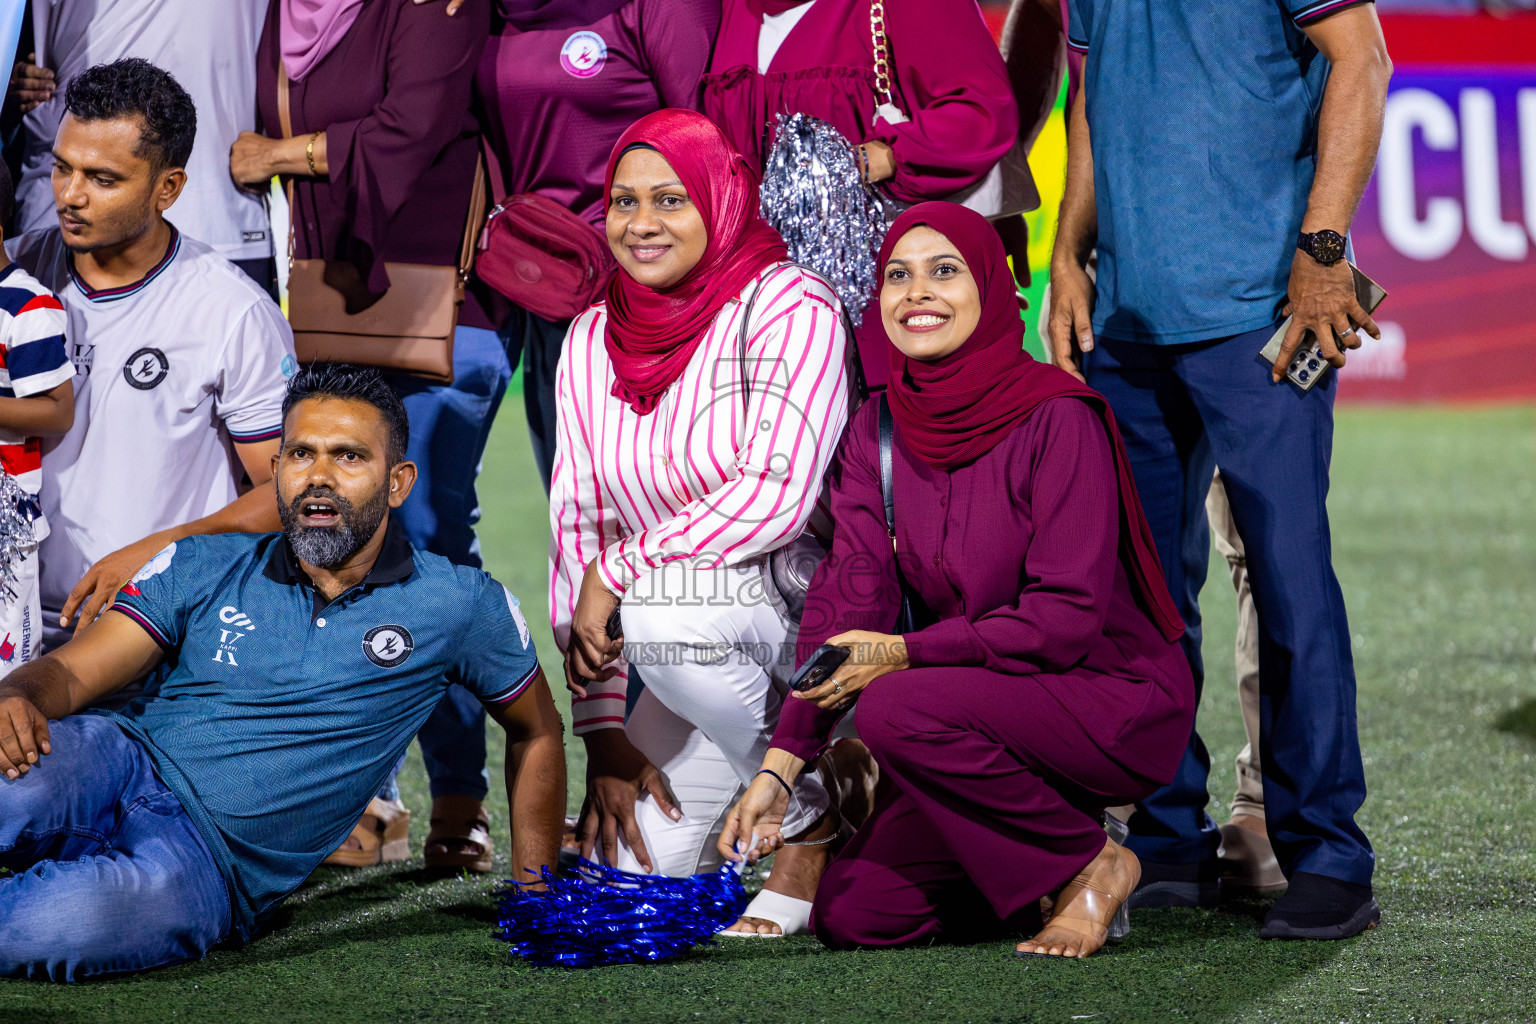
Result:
1090,907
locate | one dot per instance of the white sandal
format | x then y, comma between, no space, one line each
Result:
793,916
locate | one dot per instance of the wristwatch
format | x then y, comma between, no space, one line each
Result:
1325,246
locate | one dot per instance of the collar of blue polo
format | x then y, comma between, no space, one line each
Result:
394,563
123,291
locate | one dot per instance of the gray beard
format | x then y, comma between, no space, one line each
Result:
324,546
327,547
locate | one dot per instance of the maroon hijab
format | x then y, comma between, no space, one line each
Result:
652,334
953,410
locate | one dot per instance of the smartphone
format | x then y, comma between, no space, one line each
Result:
615,626
1307,364
818,667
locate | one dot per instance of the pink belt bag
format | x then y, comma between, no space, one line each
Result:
543,257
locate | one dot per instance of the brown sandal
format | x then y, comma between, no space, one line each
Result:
1087,906
460,838
382,836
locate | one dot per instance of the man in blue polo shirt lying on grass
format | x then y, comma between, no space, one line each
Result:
291,670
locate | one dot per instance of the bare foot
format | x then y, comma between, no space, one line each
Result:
796,872
1086,906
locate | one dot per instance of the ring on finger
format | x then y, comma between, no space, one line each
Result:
1346,333
837,688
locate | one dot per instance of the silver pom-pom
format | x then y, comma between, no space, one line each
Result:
814,196
17,510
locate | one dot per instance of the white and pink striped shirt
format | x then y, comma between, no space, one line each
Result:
690,480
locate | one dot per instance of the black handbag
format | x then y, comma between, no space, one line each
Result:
789,568
906,619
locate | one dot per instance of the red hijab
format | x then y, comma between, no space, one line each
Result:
953,410
651,334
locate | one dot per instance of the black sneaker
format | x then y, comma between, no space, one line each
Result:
1177,885
1319,907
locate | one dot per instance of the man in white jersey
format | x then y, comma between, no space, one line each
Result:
180,359
209,47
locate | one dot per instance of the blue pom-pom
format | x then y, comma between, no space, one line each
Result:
605,916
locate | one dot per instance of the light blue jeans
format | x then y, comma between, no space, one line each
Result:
110,874
450,424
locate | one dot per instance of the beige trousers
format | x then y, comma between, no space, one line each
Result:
1249,798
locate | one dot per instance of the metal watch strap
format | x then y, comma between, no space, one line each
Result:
1307,243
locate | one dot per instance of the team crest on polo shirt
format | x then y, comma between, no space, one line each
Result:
584,54
146,368
388,646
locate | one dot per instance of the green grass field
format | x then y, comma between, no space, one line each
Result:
1436,545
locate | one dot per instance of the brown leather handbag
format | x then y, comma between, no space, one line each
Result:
409,328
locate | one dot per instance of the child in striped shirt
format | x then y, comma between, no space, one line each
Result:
37,399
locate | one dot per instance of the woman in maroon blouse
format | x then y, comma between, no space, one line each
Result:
1044,681
818,57
559,83
382,160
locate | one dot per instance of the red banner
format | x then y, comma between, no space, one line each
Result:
1448,224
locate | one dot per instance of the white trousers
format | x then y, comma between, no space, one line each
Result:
715,655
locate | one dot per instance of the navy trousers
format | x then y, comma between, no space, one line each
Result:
1185,409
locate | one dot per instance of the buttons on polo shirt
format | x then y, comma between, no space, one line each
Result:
320,623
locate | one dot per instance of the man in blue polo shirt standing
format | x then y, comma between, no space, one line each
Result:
291,671
1216,155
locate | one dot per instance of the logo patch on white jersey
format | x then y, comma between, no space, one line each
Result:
82,355
146,368
517,616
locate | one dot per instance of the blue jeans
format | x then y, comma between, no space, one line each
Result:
450,424
1185,409
110,873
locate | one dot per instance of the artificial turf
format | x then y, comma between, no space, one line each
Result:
1435,543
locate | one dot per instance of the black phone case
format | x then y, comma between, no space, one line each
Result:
818,667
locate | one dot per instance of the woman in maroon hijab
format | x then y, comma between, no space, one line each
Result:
1043,681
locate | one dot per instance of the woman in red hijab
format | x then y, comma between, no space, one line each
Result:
699,409
1042,681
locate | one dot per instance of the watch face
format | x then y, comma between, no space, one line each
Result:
1327,246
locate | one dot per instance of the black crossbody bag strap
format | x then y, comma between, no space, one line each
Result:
906,621
887,476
